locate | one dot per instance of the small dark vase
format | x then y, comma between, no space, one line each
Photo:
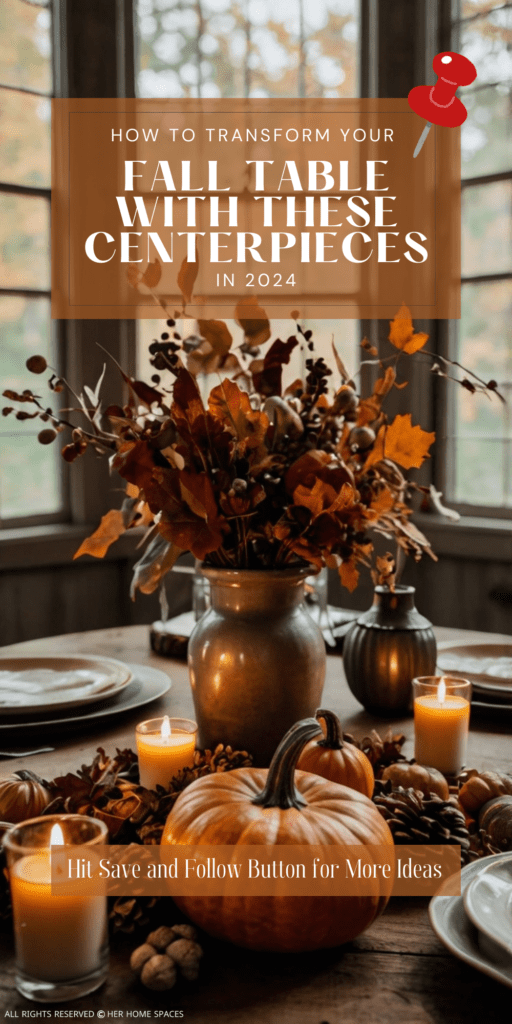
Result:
386,648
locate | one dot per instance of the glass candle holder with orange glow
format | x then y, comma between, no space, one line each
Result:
165,746
60,932
441,722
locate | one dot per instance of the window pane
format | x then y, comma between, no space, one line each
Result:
24,242
226,51
25,45
25,135
487,229
482,426
29,472
486,135
479,468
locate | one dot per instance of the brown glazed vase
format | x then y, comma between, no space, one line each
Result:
256,660
386,648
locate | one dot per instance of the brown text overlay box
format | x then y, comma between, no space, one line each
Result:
255,870
336,159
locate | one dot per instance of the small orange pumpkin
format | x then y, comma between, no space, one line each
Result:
336,760
495,818
417,776
22,796
482,787
278,806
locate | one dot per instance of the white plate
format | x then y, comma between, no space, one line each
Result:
487,666
488,900
146,685
454,929
37,685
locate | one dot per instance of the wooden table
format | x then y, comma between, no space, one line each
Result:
395,973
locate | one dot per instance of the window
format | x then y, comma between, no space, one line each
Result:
480,431
258,48
29,473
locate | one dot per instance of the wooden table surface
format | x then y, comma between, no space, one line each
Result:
395,973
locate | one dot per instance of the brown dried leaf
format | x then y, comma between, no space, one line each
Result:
216,333
253,320
158,558
186,278
267,377
152,274
228,403
342,370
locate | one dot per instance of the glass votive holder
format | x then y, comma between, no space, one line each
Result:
61,937
441,722
164,747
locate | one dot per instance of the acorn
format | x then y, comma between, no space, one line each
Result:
345,400
361,438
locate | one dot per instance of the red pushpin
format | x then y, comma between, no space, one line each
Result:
438,103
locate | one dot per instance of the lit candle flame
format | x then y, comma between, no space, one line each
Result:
165,730
57,836
441,691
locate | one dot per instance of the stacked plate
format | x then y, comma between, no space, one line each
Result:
476,925
58,692
487,666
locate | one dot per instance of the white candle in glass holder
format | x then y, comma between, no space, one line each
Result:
59,935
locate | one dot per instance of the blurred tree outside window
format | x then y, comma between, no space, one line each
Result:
480,431
253,48
29,473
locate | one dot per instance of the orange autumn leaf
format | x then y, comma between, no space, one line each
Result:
228,403
109,530
402,443
384,384
406,444
402,334
382,503
349,574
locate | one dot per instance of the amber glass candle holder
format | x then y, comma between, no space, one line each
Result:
61,938
441,722
164,747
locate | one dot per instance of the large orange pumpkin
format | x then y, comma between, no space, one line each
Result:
336,760
279,806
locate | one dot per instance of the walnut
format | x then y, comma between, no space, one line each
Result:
159,973
184,931
186,954
140,956
161,938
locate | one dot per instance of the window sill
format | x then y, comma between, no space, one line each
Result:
33,547
472,538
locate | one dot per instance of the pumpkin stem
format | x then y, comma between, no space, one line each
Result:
279,789
333,738
25,775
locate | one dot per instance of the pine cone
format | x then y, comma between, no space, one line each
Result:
128,913
380,752
416,819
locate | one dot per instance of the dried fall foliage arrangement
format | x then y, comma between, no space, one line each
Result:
259,476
